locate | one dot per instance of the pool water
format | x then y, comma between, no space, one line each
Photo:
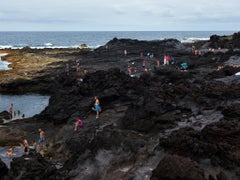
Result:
27,104
18,152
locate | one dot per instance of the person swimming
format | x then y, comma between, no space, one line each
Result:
10,152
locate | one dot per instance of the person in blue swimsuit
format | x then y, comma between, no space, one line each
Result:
97,107
41,138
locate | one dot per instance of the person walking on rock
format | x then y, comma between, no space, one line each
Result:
125,52
97,107
78,123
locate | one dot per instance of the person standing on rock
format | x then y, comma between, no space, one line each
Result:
125,52
129,69
10,111
41,138
97,107
78,65
26,146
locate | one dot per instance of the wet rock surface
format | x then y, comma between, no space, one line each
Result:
3,170
29,167
166,118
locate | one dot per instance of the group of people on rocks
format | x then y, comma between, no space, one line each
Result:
132,67
167,60
14,113
36,146
76,64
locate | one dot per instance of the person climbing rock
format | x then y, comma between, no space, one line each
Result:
41,138
78,123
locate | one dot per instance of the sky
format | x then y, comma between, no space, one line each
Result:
119,15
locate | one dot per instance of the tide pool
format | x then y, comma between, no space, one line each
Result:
3,64
18,152
27,104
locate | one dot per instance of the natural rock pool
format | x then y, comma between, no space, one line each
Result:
18,151
27,104
3,64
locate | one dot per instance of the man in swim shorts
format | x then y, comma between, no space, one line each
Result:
97,107
41,138
26,146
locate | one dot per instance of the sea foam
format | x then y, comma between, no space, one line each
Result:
4,64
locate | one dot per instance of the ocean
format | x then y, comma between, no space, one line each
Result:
94,39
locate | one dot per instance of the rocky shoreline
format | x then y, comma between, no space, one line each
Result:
163,124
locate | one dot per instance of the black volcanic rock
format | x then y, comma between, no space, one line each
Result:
178,168
232,112
31,167
229,42
136,46
3,169
195,113
4,115
218,141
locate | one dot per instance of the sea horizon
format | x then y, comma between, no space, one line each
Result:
93,39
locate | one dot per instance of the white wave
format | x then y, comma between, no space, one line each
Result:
16,46
45,45
4,64
56,47
94,47
193,39
237,74
5,46
48,44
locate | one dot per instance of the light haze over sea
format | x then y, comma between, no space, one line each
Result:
93,39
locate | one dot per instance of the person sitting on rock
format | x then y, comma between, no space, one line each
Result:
78,123
33,148
184,66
